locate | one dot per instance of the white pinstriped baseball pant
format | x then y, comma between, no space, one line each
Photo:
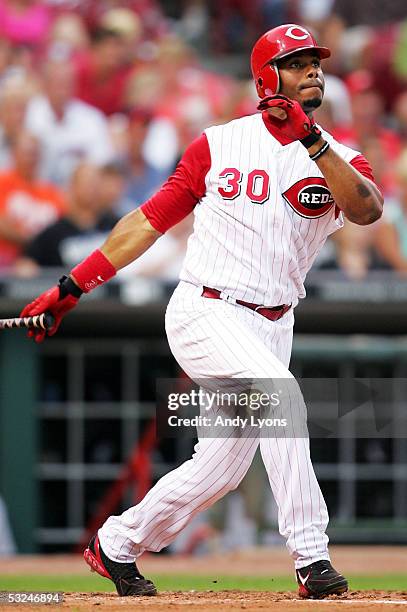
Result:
213,338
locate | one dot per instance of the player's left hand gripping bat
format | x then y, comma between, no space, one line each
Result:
41,321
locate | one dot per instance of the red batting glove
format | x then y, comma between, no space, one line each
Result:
58,300
89,274
297,125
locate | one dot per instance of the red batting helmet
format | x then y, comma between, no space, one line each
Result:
274,45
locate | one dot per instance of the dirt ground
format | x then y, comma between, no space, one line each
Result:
266,562
238,600
226,601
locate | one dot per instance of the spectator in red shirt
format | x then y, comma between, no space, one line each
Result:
129,27
149,11
391,232
103,73
388,66
236,23
367,116
189,96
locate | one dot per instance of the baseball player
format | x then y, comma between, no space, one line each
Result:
266,190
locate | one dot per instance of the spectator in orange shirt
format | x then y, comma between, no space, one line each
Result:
26,205
89,218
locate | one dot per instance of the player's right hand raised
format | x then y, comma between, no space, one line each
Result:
57,300
288,118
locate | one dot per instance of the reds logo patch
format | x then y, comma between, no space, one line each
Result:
310,197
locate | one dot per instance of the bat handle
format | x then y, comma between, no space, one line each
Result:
42,321
47,320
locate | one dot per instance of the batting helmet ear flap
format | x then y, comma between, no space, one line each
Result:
268,80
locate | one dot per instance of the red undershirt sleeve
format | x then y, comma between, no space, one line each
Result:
184,188
362,165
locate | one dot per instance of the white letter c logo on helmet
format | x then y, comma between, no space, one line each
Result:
291,34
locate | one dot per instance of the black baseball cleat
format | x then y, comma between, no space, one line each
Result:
319,580
126,577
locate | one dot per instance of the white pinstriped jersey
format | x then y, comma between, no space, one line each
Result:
264,217
262,212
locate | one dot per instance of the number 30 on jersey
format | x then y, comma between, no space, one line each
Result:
257,185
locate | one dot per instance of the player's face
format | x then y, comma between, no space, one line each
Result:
301,79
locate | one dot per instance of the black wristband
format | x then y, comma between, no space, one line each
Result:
320,152
311,139
68,287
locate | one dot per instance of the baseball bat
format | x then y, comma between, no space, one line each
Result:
41,321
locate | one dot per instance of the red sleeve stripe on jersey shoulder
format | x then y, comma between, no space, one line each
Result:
184,188
362,165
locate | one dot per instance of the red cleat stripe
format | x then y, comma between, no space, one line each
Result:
303,591
95,561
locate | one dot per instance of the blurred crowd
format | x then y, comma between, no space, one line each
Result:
99,98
